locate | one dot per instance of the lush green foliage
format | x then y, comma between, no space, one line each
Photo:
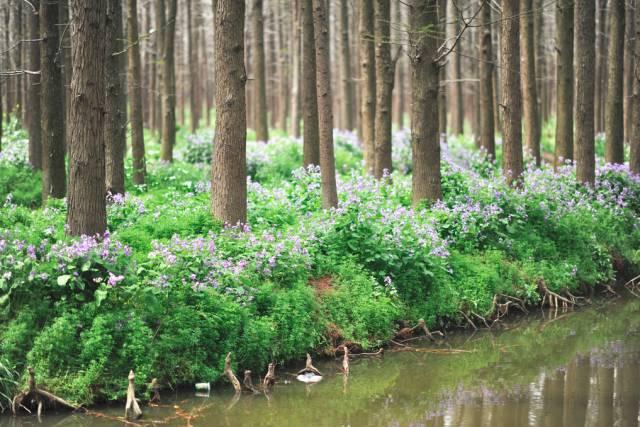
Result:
168,291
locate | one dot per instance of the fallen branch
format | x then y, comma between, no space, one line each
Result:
34,394
132,410
380,352
468,320
633,286
230,375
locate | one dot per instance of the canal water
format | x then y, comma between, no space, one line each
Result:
551,368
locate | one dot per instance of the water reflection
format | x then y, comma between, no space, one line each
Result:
579,369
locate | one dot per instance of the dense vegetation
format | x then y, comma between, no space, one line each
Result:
168,291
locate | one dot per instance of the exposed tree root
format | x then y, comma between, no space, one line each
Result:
230,375
248,383
309,366
406,334
380,352
553,299
132,410
34,398
270,378
633,286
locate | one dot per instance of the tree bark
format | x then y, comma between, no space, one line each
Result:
425,140
634,160
192,49
511,103
311,138
262,127
160,23
86,212
229,169
16,56
367,83
564,81
33,88
528,73
629,32
455,99
169,84
135,94
115,121
487,130
345,65
325,113
52,104
614,123
585,46
601,65
296,33
442,92
384,87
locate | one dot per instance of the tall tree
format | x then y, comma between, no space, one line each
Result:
442,93
384,86
229,169
613,123
529,85
311,138
367,83
634,161
296,38
192,49
455,98
345,66
601,64
160,23
169,83
511,102
585,47
115,120
86,212
487,129
52,103
33,88
16,25
325,112
262,127
134,82
564,81
425,141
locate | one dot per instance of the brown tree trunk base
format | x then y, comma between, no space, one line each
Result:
35,398
230,375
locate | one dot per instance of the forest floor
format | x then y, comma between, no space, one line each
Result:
168,292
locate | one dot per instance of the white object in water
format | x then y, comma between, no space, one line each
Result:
309,377
203,386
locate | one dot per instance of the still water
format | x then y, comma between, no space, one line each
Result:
577,368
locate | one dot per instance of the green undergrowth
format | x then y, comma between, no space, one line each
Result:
169,291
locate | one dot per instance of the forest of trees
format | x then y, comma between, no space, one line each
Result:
83,76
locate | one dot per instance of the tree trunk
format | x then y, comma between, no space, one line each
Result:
634,161
529,88
33,89
115,121
311,138
262,127
630,25
192,49
367,83
52,104
86,212
601,66
614,123
400,100
160,22
585,27
442,91
564,81
282,68
424,117
135,94
455,98
511,103
325,113
169,84
384,87
345,64
296,31
16,24
229,169
487,130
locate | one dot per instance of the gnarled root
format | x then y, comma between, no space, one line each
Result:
407,334
132,410
270,378
230,375
633,286
248,383
35,398
553,299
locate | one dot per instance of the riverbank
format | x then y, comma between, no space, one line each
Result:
167,292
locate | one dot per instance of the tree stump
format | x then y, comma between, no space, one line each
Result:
132,410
